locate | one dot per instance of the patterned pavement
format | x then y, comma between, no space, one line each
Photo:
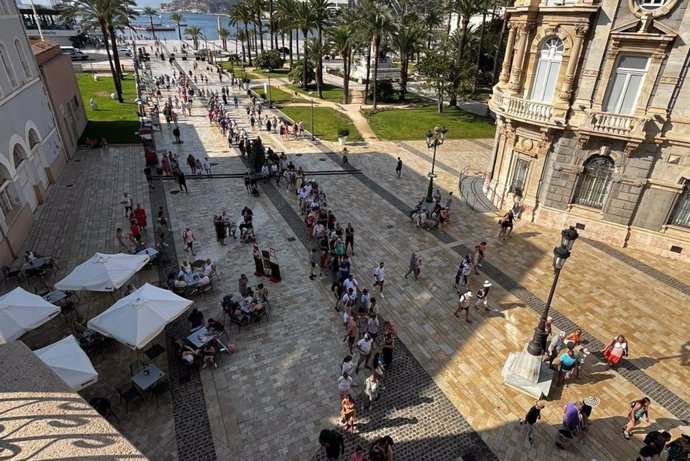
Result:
271,398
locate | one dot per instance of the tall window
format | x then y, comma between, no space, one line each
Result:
651,4
517,185
626,83
681,213
5,61
22,58
18,155
546,76
6,202
595,182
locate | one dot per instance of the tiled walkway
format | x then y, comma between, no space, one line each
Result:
271,398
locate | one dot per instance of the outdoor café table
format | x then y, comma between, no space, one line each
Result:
150,252
37,263
148,377
191,279
55,296
245,306
200,337
198,265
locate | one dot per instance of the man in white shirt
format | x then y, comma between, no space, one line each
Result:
351,283
379,276
348,299
364,346
464,304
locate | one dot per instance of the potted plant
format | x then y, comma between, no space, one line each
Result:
246,83
343,133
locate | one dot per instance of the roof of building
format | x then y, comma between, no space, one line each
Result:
41,46
44,419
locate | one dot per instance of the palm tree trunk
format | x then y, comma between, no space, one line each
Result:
179,32
346,77
304,70
152,31
377,44
249,48
366,85
319,73
244,54
261,34
116,77
439,99
404,66
319,91
463,39
479,53
290,46
116,56
296,43
497,54
270,23
282,39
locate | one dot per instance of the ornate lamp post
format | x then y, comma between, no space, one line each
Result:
433,140
525,370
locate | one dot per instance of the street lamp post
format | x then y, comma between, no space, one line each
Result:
433,140
525,371
311,93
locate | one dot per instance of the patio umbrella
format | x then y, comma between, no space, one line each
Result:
103,272
21,311
139,317
69,362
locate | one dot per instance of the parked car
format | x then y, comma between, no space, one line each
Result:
124,51
74,53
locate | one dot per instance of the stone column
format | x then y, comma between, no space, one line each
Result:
516,71
505,68
567,88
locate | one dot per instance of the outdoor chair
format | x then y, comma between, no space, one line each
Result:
41,289
135,367
127,393
50,263
214,273
103,407
11,272
206,289
263,312
237,320
160,389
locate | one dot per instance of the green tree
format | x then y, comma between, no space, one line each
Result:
224,33
323,15
341,39
257,155
151,12
377,21
257,7
407,40
305,20
177,18
194,33
437,71
286,20
270,60
317,51
499,44
432,20
297,74
241,14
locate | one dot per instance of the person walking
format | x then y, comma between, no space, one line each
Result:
506,225
149,179
371,390
412,266
182,181
615,350
566,367
348,413
464,304
531,418
344,384
333,442
352,331
176,133
122,246
188,240
140,216
636,410
398,167
350,238
313,260
364,345
379,278
483,296
207,166
127,202
463,271
388,346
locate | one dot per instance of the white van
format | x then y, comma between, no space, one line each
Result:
74,53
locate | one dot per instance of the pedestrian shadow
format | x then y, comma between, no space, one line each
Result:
385,423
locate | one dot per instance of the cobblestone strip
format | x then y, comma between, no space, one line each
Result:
192,426
427,425
635,375
649,386
639,265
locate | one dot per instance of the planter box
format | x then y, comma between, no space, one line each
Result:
342,140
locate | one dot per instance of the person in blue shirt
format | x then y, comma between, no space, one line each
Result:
566,367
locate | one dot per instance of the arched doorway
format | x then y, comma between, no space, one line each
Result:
25,174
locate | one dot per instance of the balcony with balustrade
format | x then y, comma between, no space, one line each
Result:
616,126
524,110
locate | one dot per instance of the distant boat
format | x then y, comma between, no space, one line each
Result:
156,28
182,24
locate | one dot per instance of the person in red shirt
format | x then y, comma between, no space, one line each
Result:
134,229
140,216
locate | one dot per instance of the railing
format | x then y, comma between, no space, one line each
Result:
515,106
615,125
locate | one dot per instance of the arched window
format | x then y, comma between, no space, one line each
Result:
33,139
546,76
681,213
7,67
22,58
18,155
595,182
651,4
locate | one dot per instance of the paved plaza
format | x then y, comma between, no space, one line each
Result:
444,398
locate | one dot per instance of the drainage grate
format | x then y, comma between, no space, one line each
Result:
676,249
579,226
214,164
322,160
174,192
291,239
69,185
299,155
390,226
76,160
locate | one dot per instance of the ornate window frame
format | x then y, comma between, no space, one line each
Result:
639,11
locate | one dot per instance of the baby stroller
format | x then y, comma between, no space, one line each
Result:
255,190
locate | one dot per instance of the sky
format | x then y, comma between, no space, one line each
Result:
140,3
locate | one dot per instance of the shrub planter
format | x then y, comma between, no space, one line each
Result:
343,133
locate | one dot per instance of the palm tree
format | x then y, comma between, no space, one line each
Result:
377,20
224,33
257,7
241,36
286,20
240,13
97,14
120,19
485,5
317,51
432,20
323,15
194,32
271,24
407,39
177,18
499,45
341,40
151,12
465,10
305,20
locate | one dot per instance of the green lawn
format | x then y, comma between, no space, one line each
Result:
411,124
275,73
237,69
113,121
278,96
327,121
330,92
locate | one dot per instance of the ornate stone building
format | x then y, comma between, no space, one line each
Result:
593,116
